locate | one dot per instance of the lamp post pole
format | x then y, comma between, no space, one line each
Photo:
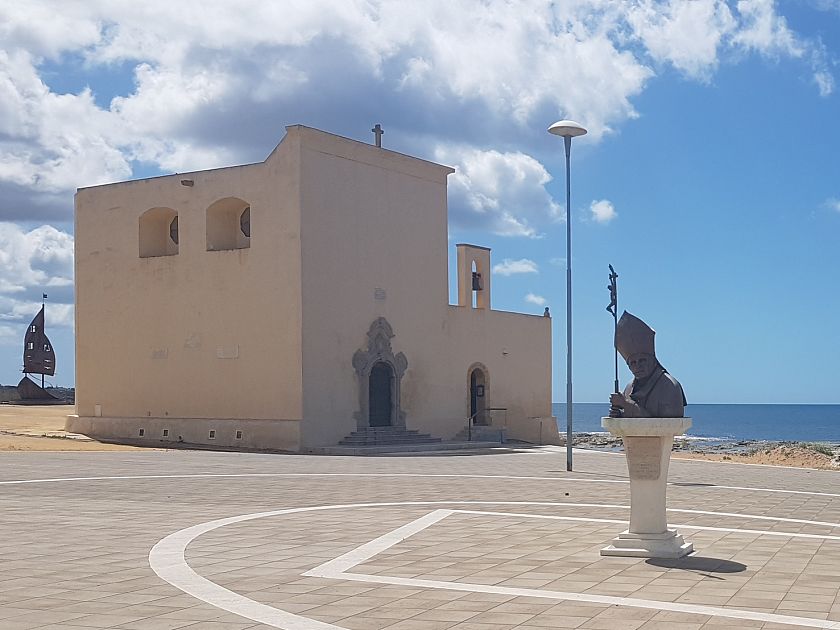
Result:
568,129
567,140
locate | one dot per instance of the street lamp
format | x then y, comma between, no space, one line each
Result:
568,129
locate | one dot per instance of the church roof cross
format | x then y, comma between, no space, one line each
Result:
378,131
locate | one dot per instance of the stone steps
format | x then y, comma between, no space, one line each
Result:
405,449
384,436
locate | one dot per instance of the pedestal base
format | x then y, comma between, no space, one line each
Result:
668,544
647,447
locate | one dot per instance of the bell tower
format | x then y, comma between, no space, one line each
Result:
473,275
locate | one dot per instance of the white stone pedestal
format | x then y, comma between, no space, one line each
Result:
647,447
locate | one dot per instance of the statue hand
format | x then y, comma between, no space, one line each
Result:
617,400
633,410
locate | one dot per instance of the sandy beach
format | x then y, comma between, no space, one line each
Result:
786,454
41,428
797,454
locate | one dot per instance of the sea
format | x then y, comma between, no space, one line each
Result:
730,423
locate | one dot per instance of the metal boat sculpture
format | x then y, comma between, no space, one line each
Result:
38,358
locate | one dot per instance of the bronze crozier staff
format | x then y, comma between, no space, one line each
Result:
615,412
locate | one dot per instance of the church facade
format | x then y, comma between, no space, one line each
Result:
289,303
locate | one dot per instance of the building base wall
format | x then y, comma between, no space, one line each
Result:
540,431
261,434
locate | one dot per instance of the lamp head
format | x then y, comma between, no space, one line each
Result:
567,129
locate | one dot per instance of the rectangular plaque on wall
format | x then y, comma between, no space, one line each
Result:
228,352
644,457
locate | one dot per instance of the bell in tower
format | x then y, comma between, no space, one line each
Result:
473,276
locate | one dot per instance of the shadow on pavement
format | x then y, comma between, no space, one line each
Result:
699,564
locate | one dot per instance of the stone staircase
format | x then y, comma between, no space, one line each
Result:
387,436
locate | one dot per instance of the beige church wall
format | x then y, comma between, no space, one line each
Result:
513,349
441,345
371,219
199,334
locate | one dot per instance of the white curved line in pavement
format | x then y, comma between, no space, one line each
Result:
167,559
12,482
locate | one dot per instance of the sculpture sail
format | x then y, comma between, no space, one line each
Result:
38,358
38,353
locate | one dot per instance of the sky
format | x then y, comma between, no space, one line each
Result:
710,176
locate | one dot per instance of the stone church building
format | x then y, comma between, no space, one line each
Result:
290,303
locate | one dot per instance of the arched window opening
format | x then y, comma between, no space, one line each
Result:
228,224
158,232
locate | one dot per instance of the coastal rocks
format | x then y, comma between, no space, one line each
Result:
798,454
598,441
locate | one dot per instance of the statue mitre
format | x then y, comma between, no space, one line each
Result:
633,336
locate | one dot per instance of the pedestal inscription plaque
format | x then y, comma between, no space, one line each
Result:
644,457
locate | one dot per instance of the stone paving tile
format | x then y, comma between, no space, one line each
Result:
105,620
75,554
20,624
156,623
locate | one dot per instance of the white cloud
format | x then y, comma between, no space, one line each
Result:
764,31
501,192
686,34
31,263
819,57
833,204
41,257
825,83
535,299
602,211
216,87
37,27
827,5
509,267
695,35
52,142
9,336
560,262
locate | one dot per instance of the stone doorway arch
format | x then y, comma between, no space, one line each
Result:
478,394
372,366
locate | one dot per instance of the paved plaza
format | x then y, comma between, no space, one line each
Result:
158,540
